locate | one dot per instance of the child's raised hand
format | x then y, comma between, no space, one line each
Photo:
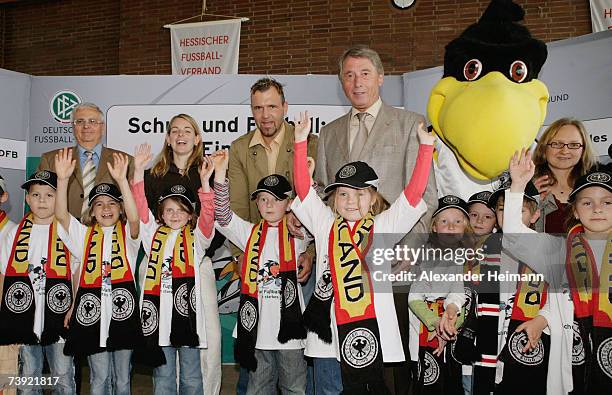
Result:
220,159
118,169
206,169
425,137
64,164
302,127
142,156
521,169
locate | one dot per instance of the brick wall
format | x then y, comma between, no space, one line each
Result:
78,37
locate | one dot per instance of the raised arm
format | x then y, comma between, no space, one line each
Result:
223,214
206,221
142,156
119,170
420,174
64,167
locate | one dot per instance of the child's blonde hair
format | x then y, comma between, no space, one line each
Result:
379,204
468,239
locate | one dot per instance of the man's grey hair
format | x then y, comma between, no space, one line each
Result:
361,51
86,105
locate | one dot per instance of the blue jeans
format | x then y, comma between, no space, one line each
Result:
467,383
31,360
110,370
327,376
190,379
287,368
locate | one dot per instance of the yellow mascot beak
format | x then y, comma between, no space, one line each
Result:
485,121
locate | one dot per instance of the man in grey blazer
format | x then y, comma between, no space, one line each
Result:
386,138
88,127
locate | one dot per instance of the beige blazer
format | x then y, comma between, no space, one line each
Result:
75,184
391,150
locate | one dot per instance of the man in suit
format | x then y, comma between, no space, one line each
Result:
266,150
91,157
386,138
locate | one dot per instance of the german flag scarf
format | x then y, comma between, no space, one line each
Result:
125,330
18,304
531,366
590,291
349,284
185,309
291,323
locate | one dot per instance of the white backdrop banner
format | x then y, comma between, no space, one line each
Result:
205,47
601,15
129,125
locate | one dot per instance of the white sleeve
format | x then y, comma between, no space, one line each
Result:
6,246
400,218
237,231
523,243
147,231
312,212
202,242
74,237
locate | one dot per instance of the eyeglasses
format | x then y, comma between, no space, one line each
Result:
559,145
83,122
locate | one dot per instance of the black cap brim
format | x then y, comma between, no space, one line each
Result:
105,194
572,195
183,197
255,192
26,185
438,211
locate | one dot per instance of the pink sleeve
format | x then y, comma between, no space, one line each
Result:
420,175
138,191
301,177
207,212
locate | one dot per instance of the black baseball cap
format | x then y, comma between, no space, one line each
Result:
180,191
531,193
480,197
275,184
599,178
451,201
41,177
110,190
356,175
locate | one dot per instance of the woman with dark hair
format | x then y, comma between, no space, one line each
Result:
563,154
178,163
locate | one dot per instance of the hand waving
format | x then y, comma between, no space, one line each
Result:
521,170
142,156
425,137
118,169
302,127
64,164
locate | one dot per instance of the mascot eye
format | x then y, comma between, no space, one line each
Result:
518,71
472,69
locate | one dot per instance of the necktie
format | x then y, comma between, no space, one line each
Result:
360,138
89,176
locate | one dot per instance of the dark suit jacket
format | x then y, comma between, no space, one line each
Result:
75,184
391,150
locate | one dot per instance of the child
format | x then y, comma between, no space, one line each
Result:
577,315
270,328
503,306
172,310
105,325
37,285
361,330
435,306
482,217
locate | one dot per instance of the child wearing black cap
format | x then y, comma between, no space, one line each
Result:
37,285
105,325
270,330
482,217
359,328
505,306
436,306
579,269
173,317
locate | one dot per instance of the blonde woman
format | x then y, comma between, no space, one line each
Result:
564,153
